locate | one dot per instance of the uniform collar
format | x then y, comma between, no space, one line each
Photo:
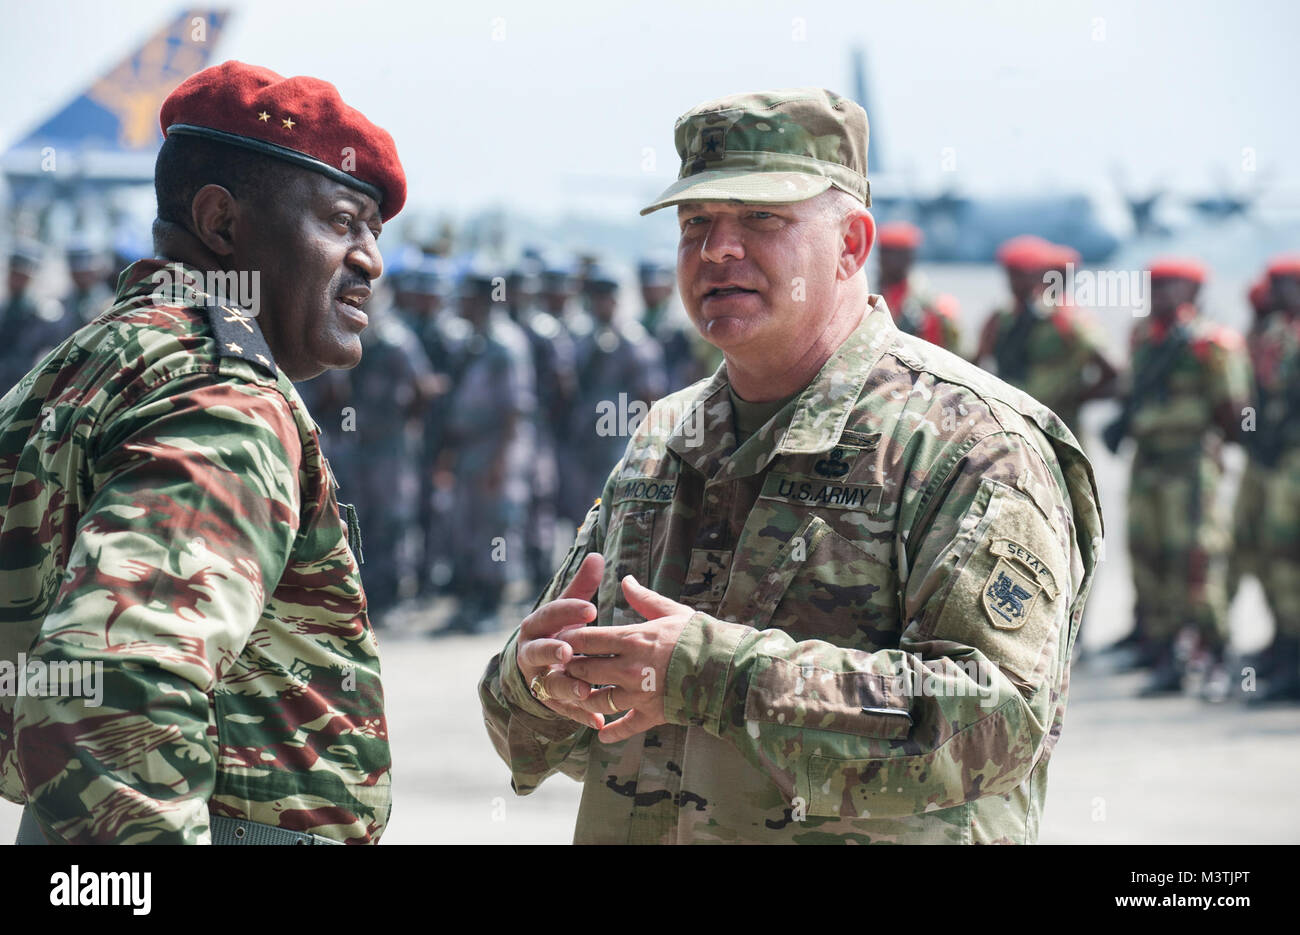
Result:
170,282
705,436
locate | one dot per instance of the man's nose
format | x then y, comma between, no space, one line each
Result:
724,241
365,258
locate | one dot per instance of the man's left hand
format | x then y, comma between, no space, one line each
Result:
636,664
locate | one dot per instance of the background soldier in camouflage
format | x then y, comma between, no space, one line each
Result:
486,464
860,561
915,311
1246,556
1189,383
1052,351
1278,448
165,511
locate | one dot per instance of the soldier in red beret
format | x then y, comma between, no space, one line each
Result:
1277,449
1189,385
1247,556
1045,345
169,523
915,310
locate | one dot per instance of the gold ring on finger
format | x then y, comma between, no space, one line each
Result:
613,708
537,688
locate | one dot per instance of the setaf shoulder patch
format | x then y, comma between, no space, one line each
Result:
1009,595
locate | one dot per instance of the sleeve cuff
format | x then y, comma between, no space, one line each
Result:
516,692
699,672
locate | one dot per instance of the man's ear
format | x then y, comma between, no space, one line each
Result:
213,212
859,236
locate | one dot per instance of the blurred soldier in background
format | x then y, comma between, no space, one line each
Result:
1246,557
1279,451
89,296
667,323
1046,346
390,390
1189,383
915,311
620,373
486,460
551,351
29,326
558,290
422,294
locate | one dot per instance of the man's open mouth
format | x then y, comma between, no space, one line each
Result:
723,291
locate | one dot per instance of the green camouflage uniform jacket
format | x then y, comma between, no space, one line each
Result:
1211,371
889,577
165,513
1045,351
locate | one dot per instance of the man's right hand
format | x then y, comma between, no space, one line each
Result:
540,653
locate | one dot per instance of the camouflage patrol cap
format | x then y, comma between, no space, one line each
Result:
770,147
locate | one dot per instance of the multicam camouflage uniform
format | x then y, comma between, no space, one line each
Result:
1177,530
165,511
906,529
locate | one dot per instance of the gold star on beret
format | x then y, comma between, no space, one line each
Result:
264,116
288,123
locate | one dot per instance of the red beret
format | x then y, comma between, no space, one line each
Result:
300,120
1287,264
1260,295
1177,267
1026,252
899,235
1061,255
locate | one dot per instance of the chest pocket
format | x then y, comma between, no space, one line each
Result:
824,586
628,550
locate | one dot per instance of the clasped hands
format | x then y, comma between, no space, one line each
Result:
572,659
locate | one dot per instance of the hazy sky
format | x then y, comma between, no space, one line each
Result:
572,104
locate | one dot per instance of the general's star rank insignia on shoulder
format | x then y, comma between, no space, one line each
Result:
238,334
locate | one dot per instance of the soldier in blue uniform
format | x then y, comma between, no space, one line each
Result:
486,460
620,374
29,325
